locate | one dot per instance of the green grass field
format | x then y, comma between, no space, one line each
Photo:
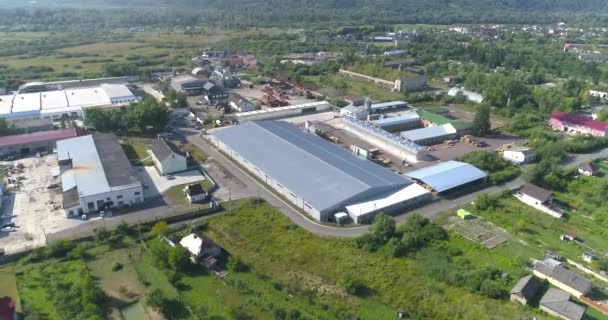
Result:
137,154
267,240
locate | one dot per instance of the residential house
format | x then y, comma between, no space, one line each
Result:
525,289
599,94
557,303
195,193
167,157
587,257
539,199
520,155
240,104
575,124
393,53
400,63
413,83
588,169
200,247
562,278
451,80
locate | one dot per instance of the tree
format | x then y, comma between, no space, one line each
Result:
235,264
102,235
383,228
481,122
161,228
179,259
484,202
157,300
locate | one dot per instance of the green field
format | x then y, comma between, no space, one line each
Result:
267,240
337,85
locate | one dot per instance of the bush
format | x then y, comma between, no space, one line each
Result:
353,286
499,169
60,249
117,266
236,265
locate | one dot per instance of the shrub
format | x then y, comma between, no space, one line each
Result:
116,266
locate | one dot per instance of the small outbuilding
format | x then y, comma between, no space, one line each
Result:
525,289
200,247
463,214
520,155
195,193
167,157
588,169
588,257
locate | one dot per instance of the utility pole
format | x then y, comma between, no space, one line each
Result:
44,233
229,199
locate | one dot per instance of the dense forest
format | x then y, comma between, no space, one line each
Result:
237,13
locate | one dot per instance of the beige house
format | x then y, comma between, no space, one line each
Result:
562,278
167,157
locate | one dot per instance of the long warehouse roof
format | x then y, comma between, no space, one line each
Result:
404,118
67,100
447,175
428,132
323,174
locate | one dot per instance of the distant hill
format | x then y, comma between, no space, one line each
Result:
302,12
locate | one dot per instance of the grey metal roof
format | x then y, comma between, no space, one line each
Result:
404,118
447,175
116,165
428,132
563,275
163,149
98,164
559,302
526,287
536,192
324,175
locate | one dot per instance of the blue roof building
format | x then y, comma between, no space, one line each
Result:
319,177
447,175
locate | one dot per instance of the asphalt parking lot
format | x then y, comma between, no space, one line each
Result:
32,207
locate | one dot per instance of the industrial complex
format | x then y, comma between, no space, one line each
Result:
317,176
64,103
95,174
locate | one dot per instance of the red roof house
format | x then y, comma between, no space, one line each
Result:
575,124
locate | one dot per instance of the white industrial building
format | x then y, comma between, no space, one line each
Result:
318,177
431,135
405,121
283,112
520,155
66,103
95,175
388,142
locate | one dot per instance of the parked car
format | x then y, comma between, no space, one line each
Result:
53,186
170,177
84,217
9,225
8,229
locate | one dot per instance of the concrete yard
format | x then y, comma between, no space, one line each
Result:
36,209
155,184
